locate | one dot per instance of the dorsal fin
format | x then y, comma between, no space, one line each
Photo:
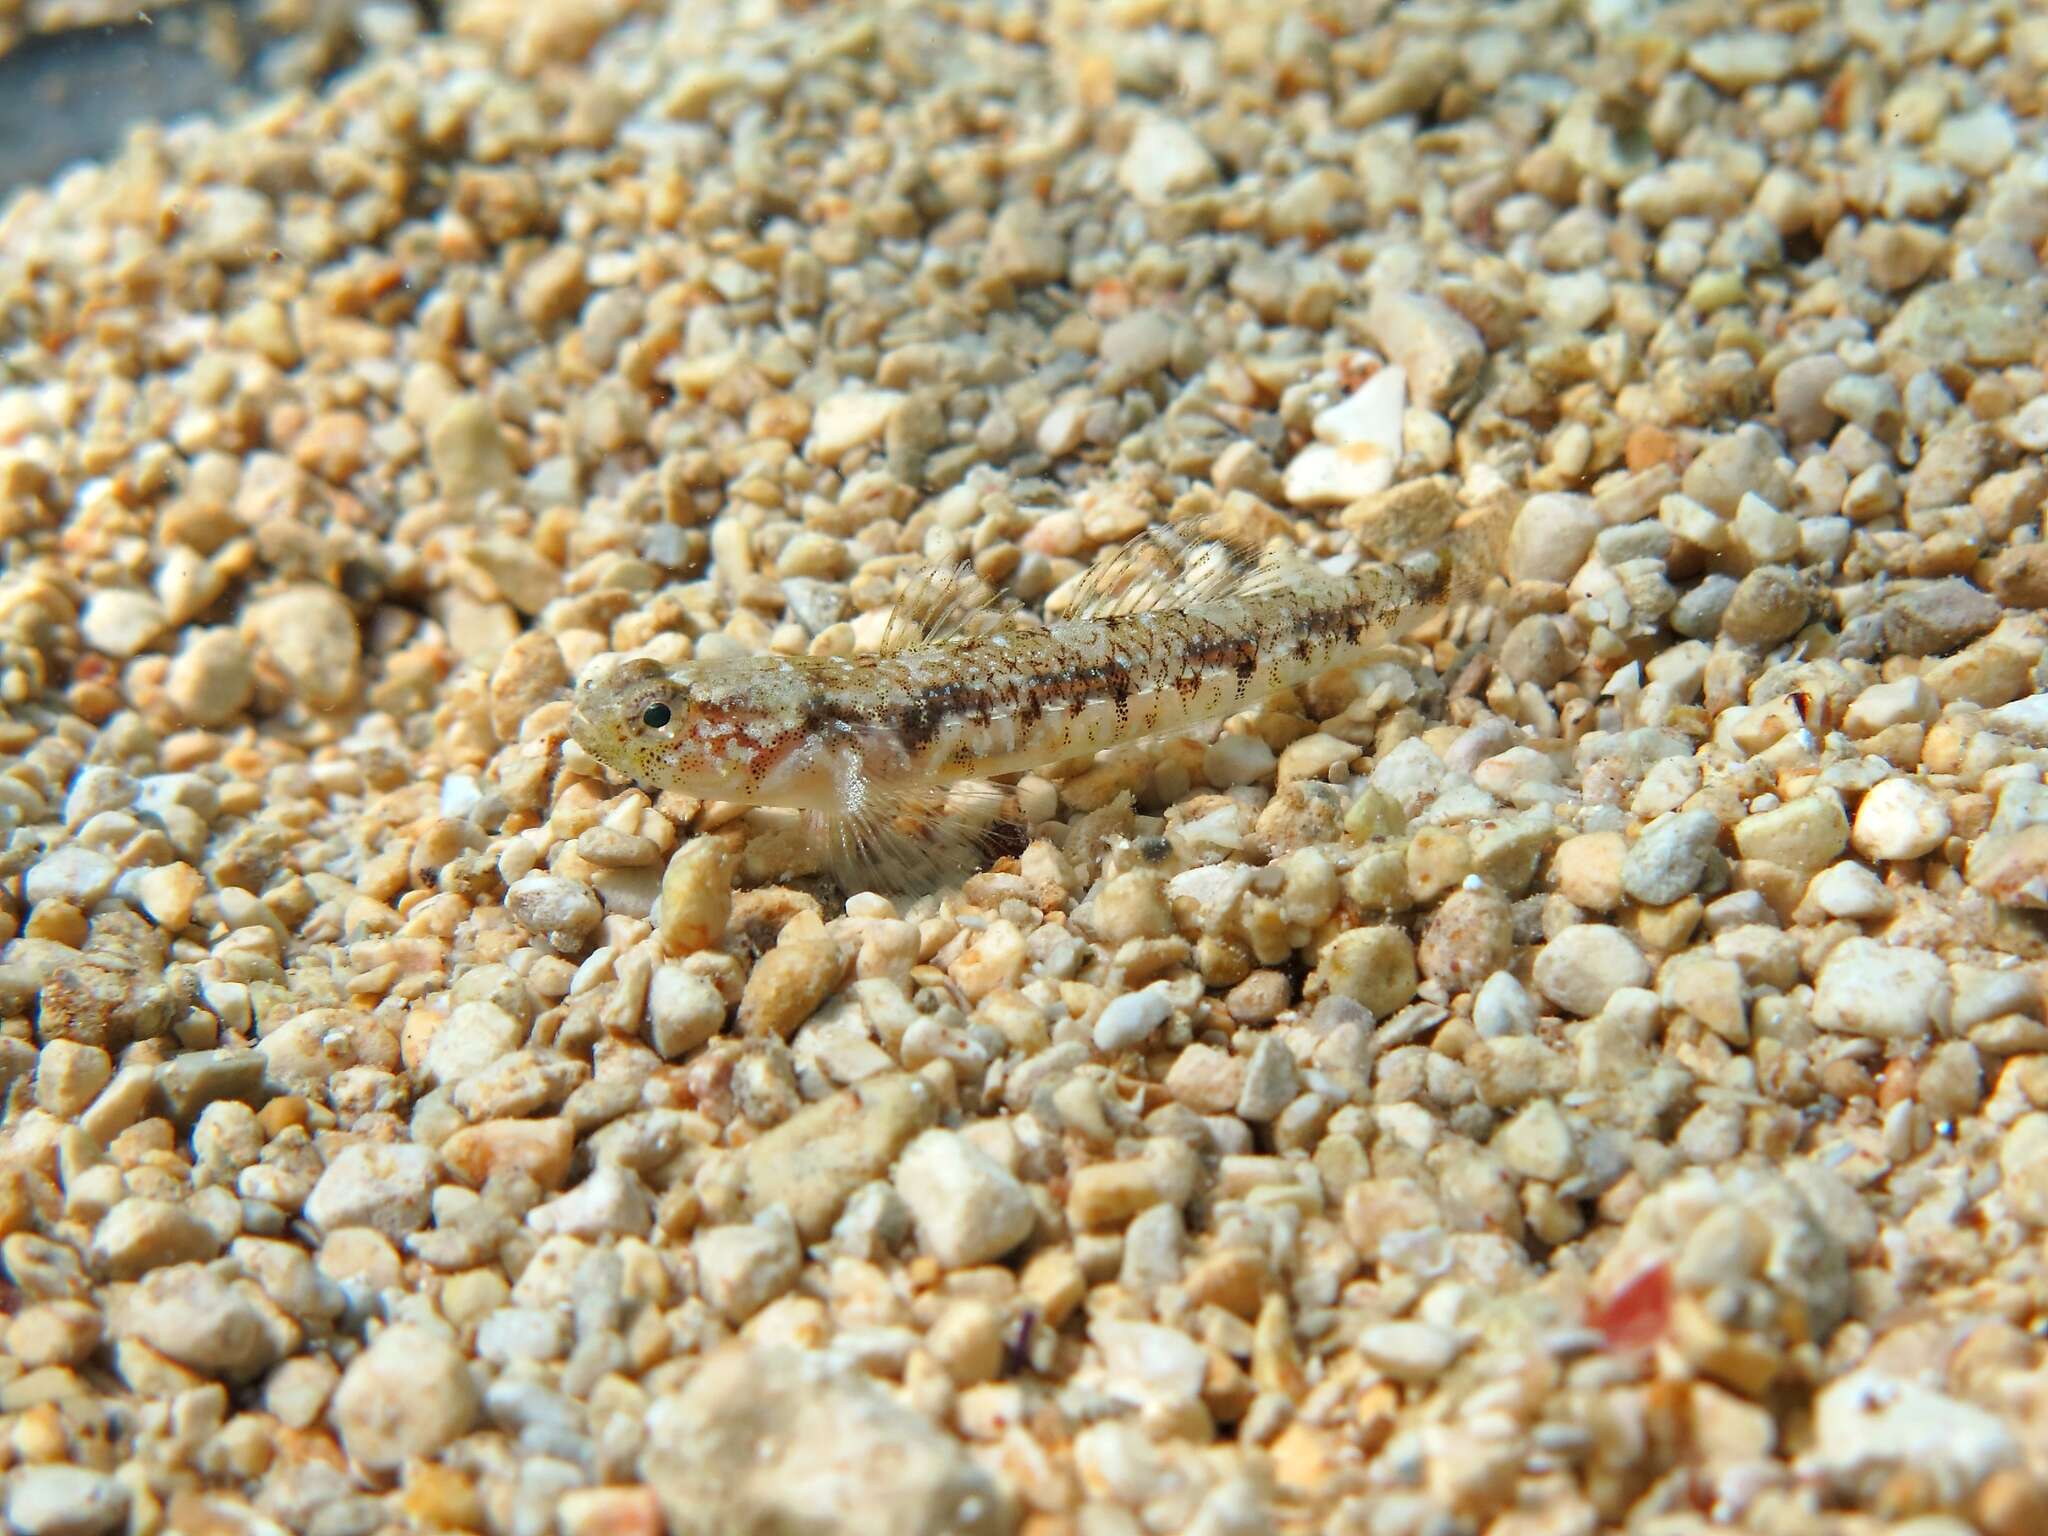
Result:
947,602
1191,560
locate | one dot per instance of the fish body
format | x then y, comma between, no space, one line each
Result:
873,745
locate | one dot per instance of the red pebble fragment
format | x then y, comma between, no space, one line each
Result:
1636,1314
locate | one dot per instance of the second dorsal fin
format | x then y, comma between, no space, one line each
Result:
948,602
1187,561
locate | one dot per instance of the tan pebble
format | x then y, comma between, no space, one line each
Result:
467,450
334,446
1587,870
440,1497
409,1394
529,674
743,1267
1805,835
814,1161
1414,1352
1235,1279
141,1234
69,1076
620,1511
1260,998
1582,967
54,1333
1468,938
1206,1079
1768,606
1054,1283
169,893
1109,1194
212,679
788,983
1132,905
309,635
1372,966
197,1317
121,623
1439,859
995,960
696,897
541,1149
1312,757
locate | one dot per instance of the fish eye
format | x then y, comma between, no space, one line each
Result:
655,716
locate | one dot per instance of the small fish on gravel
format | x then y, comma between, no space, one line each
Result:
892,754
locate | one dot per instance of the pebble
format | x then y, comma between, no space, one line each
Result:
1503,1007
194,1315
851,419
471,1038
1374,967
696,897
121,623
1584,966
1238,758
1413,1353
387,1186
1358,446
1871,1425
1165,161
742,1268
1734,61
1733,465
1899,819
1134,348
787,985
764,1438
814,1161
1851,891
557,908
1271,1083
1887,992
72,873
467,451
1768,606
408,1395
1144,1363
1551,537
142,1234
683,1011
1468,940
66,1501
1938,617
69,1076
309,635
1805,835
1023,246
1439,350
1130,1019
539,1149
1669,859
967,1208
1907,700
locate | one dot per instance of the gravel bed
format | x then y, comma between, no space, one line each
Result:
1584,1071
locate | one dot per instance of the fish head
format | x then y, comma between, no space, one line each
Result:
729,729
